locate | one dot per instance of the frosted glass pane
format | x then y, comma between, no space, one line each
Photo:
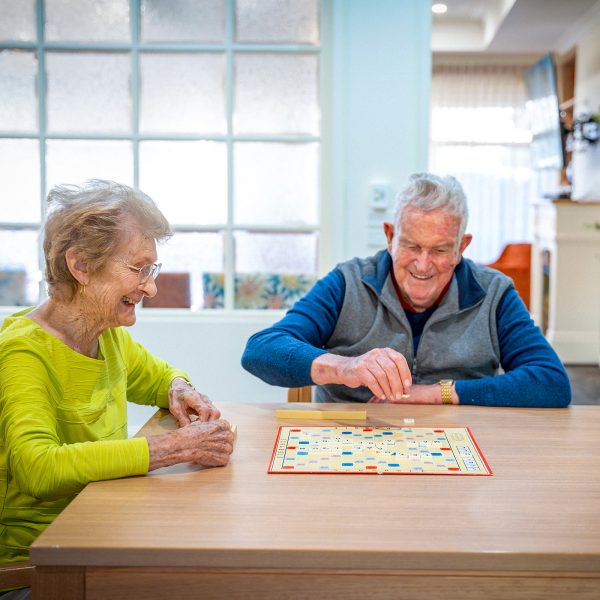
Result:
276,94
294,21
74,161
188,180
285,177
183,93
275,252
18,70
20,177
87,21
198,254
183,20
19,271
17,20
88,91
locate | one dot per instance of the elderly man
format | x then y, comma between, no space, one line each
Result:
416,323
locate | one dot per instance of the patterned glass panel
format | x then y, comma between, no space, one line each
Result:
17,22
276,94
82,86
183,93
273,270
188,180
275,252
18,70
183,20
277,21
19,271
87,21
74,161
284,176
20,177
198,254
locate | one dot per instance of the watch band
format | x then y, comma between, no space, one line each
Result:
446,385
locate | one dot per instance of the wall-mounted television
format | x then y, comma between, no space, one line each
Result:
547,148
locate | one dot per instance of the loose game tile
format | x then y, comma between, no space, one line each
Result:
378,450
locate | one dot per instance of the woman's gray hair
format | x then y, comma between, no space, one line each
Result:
427,192
91,219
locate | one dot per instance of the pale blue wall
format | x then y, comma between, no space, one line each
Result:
380,63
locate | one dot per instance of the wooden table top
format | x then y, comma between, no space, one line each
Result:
540,511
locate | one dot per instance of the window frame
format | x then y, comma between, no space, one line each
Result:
136,48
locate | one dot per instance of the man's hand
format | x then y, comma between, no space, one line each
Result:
185,400
420,394
383,370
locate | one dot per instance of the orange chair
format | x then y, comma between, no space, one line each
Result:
515,262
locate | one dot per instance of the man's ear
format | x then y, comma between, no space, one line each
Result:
76,266
388,229
466,240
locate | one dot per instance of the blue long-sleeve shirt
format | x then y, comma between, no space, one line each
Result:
533,374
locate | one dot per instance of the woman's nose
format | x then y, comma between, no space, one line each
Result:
149,287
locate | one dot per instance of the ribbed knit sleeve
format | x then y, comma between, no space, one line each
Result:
533,373
35,430
148,377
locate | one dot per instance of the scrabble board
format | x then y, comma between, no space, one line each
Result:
377,450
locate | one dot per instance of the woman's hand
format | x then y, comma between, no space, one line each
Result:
209,444
185,400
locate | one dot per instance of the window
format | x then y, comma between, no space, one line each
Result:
480,134
209,106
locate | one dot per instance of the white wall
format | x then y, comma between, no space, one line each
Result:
208,348
586,164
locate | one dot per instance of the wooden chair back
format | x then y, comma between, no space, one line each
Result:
301,394
15,575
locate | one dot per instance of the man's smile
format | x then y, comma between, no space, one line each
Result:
420,277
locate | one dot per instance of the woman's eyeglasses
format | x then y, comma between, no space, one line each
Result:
146,271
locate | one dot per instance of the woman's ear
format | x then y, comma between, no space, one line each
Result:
76,266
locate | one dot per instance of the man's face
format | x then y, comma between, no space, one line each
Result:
425,251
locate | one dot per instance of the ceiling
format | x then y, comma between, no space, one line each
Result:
511,26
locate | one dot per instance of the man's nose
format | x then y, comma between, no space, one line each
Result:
423,260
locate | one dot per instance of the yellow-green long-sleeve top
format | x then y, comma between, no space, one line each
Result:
63,422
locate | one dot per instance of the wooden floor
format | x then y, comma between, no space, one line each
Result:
585,383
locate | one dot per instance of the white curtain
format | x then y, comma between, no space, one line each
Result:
480,134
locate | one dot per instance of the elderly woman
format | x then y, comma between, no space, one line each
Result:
67,367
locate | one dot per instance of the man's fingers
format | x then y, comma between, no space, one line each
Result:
372,383
394,376
403,370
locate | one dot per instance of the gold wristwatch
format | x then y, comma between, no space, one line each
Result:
446,385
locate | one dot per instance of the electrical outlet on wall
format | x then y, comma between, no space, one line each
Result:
380,195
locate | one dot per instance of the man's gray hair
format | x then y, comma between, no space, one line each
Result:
427,192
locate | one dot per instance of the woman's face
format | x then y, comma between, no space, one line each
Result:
113,293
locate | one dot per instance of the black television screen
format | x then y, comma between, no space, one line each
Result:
544,115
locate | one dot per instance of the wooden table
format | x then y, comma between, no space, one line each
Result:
532,530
